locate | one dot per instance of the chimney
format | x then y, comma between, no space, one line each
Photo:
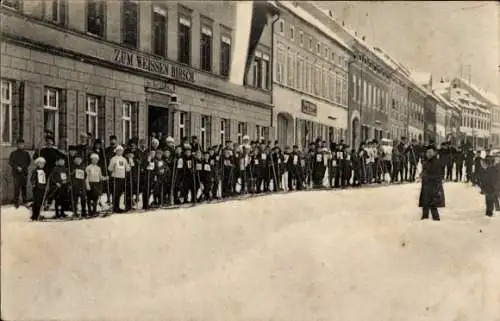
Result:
330,13
442,80
343,23
363,38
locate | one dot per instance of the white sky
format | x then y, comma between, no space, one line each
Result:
432,36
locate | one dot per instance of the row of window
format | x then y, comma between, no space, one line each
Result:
96,17
54,120
313,45
477,123
261,69
297,72
371,96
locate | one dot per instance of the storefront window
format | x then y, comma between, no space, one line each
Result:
6,112
51,112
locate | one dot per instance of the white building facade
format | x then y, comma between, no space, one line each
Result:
310,74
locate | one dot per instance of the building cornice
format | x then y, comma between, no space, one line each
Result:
62,52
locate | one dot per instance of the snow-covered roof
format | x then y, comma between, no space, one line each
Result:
421,78
491,97
306,16
364,43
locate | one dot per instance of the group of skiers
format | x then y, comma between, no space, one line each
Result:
160,173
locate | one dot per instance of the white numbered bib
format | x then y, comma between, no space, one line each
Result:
63,176
41,177
256,162
264,156
279,160
131,161
151,166
207,167
189,164
286,158
121,164
340,155
325,161
180,163
227,162
348,157
160,163
217,158
242,165
334,162
319,157
79,174
199,166
302,163
211,162
295,159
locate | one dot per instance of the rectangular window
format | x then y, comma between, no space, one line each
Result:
127,120
95,17
225,55
206,48
6,112
301,38
266,70
57,11
205,132
310,44
344,90
13,4
326,53
331,86
159,31
354,82
281,26
130,23
280,66
257,70
292,33
324,83
290,71
242,131
51,112
262,133
184,35
318,48
225,133
92,112
182,125
308,77
338,89
300,73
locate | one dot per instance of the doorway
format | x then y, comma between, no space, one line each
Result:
158,121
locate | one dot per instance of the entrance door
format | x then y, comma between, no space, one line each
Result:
158,121
282,130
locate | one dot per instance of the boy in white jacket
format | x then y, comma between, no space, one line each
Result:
118,168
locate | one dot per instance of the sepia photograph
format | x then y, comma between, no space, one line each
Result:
258,160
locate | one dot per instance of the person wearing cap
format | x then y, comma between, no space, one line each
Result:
489,185
118,168
39,184
195,144
190,182
431,191
61,177
109,152
19,162
78,179
49,152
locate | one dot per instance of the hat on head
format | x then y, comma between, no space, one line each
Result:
119,147
246,137
40,160
94,156
20,141
155,141
72,148
430,146
97,141
112,137
170,139
187,146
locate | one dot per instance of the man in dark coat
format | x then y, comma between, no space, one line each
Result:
19,161
432,192
489,185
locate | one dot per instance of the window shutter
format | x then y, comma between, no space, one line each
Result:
63,114
101,118
63,8
135,119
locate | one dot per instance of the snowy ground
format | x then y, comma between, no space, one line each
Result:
327,255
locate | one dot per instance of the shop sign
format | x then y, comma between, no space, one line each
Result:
153,65
309,108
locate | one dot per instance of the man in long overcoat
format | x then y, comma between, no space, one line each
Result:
432,192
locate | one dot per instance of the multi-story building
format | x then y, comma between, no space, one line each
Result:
478,108
131,68
310,94
495,126
416,103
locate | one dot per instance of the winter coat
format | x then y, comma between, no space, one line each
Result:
432,192
489,180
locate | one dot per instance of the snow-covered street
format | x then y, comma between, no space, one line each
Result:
326,255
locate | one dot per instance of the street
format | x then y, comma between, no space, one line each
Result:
357,254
